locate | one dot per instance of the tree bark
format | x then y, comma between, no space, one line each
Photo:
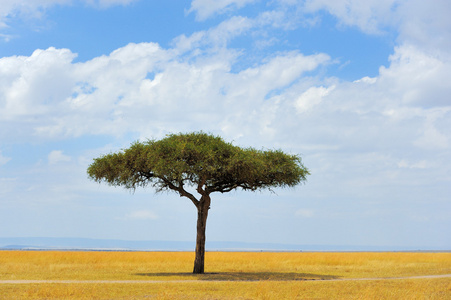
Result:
202,214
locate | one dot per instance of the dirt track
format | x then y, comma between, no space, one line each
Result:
181,281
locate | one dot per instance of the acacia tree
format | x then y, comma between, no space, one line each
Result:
197,162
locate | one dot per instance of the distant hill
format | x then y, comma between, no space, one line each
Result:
43,243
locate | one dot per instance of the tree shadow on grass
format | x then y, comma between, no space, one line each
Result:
240,276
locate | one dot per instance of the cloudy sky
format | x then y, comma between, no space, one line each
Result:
360,89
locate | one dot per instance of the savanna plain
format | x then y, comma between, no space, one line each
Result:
229,275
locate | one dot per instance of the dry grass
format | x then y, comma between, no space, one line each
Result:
387,289
220,265
243,275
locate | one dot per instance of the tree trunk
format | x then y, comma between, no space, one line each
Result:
202,214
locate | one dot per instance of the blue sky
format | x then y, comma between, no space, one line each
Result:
359,88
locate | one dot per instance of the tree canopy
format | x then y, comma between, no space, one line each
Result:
201,161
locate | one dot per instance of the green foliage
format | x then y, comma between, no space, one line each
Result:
203,161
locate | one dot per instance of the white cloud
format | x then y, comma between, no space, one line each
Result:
32,85
371,16
57,156
432,138
115,95
108,3
5,37
26,8
312,97
4,159
207,8
425,24
366,79
52,97
36,8
418,76
423,164
216,37
133,90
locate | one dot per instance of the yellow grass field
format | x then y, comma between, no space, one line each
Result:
230,275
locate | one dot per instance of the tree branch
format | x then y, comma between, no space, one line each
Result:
182,192
201,183
225,187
